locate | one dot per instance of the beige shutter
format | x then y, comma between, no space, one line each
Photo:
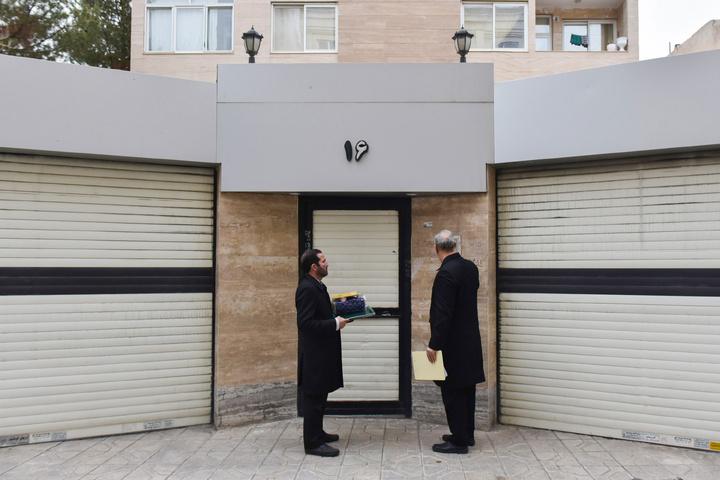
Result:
362,249
642,367
77,365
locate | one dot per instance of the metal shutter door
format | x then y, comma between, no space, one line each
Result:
609,300
106,297
362,250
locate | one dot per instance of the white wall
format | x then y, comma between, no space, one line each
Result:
651,106
281,128
73,110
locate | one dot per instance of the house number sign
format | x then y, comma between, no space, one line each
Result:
361,148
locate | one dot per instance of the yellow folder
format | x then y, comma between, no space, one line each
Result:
424,370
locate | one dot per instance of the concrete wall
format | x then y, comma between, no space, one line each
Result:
707,38
281,128
381,31
650,106
63,109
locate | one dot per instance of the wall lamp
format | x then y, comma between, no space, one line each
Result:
463,39
252,40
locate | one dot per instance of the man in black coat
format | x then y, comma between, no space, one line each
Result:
454,330
319,352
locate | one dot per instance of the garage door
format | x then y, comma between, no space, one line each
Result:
609,288
106,285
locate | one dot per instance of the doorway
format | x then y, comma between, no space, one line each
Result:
367,243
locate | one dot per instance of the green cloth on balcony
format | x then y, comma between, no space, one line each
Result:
576,39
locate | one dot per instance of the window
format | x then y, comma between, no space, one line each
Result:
543,33
496,26
304,28
595,34
189,26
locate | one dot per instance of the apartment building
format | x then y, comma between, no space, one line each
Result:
189,38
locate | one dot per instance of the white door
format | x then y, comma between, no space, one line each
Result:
609,291
105,297
362,247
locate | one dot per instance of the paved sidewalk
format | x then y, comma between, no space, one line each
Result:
371,448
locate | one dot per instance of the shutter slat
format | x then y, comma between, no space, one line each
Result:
87,365
611,364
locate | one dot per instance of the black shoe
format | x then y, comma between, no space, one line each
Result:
330,437
448,447
325,450
448,438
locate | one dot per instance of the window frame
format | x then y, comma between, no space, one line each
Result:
305,6
549,35
587,23
180,5
526,27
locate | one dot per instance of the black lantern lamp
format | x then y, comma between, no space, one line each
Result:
463,39
252,40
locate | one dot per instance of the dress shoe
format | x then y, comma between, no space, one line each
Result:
448,438
324,450
448,447
330,437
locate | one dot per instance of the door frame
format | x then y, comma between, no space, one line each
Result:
306,206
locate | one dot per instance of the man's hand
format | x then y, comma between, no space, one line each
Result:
343,321
431,354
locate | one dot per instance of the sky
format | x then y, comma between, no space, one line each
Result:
664,22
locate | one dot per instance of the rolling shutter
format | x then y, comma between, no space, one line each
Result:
362,250
609,288
106,293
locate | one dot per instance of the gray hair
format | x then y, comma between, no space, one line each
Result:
445,241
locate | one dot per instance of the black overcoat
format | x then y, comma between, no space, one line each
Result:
454,327
319,347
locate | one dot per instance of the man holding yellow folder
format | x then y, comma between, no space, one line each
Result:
455,331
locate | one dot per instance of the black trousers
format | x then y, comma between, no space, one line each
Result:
313,412
460,412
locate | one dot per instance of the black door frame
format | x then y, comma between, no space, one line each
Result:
306,206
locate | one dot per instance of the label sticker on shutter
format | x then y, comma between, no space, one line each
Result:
642,436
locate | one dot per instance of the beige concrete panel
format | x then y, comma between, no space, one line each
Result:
257,343
256,274
399,31
707,38
466,215
509,66
256,333
256,225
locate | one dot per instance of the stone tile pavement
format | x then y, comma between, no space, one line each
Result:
371,448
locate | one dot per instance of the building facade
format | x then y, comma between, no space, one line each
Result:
149,283
522,39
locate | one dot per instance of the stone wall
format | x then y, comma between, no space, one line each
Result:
256,332
470,217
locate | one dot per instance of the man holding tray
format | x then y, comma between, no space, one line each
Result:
319,352
455,331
